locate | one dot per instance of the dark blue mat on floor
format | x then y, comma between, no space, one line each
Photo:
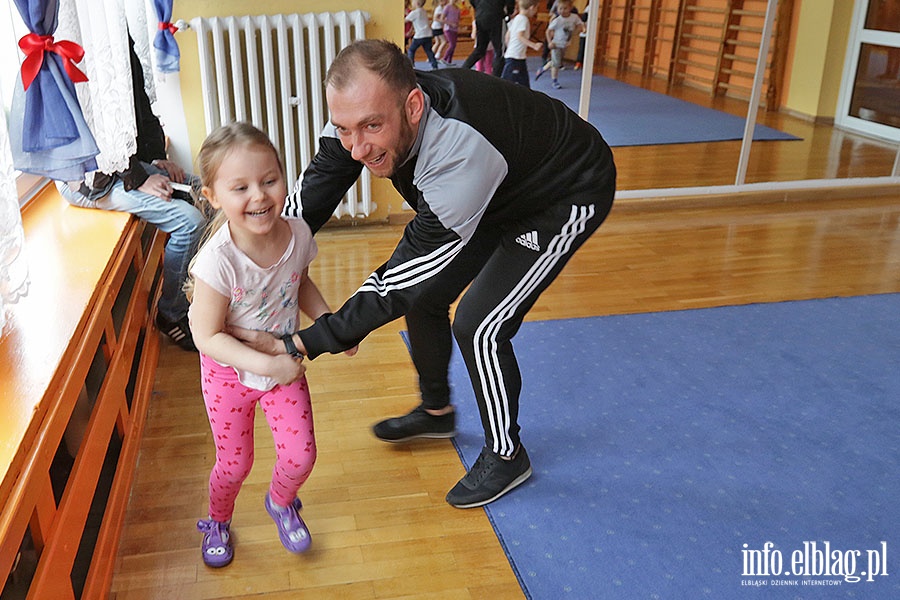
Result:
738,452
628,115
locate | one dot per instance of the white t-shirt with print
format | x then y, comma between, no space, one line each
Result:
259,298
563,28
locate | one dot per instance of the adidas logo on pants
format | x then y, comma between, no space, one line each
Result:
529,240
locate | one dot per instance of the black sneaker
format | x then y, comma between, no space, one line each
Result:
178,331
489,478
417,424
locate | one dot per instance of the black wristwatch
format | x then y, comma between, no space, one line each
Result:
290,346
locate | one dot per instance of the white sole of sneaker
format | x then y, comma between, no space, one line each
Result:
420,436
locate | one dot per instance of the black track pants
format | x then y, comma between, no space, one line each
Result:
507,268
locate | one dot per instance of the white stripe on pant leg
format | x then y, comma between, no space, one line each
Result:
493,388
412,272
499,402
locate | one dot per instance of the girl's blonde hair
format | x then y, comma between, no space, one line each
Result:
217,145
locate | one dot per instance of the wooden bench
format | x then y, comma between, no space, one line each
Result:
77,362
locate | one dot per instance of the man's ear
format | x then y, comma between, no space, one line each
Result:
414,106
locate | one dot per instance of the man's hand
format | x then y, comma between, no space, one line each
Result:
260,341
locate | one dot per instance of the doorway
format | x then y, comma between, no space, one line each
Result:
870,93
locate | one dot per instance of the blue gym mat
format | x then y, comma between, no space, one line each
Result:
737,452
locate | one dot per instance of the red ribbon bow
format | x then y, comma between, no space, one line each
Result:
172,29
35,45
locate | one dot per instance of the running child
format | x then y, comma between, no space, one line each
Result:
439,43
421,34
559,34
518,41
252,271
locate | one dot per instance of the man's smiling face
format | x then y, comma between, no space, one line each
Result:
374,124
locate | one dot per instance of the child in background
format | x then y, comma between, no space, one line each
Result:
518,40
451,31
252,271
437,30
407,26
559,34
421,33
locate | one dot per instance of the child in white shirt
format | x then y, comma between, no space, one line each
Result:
518,40
421,34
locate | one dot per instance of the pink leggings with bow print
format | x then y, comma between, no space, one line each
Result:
231,406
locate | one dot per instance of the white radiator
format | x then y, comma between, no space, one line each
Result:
269,70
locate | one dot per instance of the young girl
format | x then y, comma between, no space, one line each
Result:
252,272
451,31
439,41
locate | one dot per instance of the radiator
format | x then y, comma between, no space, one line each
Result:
269,70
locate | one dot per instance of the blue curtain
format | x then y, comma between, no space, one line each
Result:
48,133
167,53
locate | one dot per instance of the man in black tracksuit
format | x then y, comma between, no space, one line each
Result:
506,184
490,15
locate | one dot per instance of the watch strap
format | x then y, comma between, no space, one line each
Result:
290,346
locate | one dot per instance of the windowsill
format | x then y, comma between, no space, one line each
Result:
69,252
27,186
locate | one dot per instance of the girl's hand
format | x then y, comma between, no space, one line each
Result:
287,369
262,341
352,351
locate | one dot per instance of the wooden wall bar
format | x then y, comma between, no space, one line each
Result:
707,44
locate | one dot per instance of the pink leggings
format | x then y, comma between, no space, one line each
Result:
231,406
485,65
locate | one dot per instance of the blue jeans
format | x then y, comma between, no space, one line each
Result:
180,219
516,70
425,44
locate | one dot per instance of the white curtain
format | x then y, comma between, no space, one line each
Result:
102,27
13,266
